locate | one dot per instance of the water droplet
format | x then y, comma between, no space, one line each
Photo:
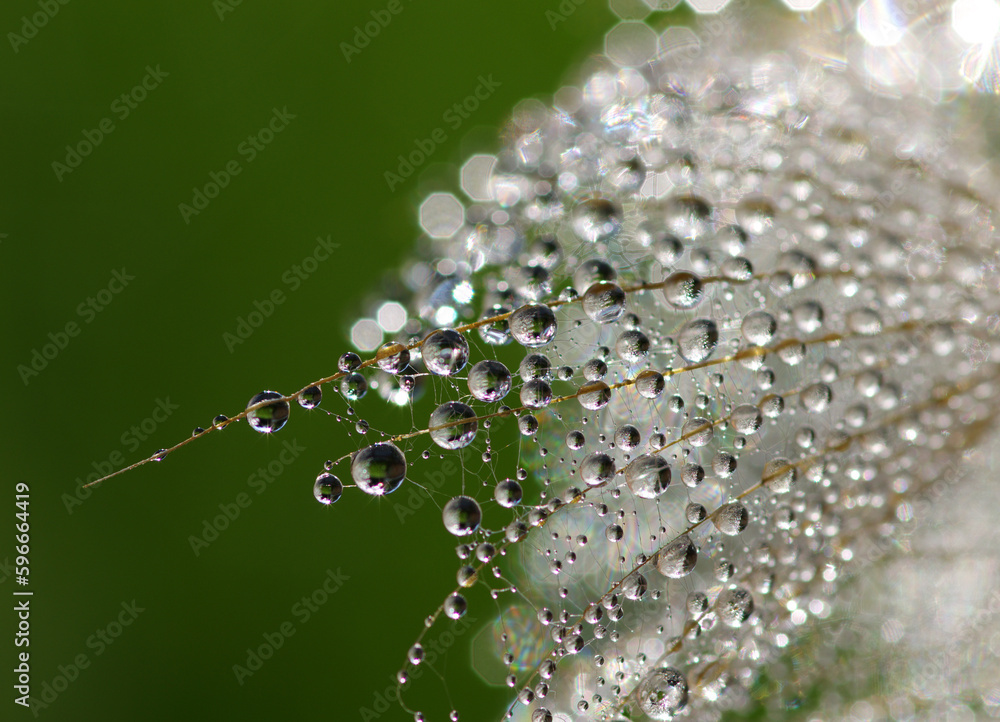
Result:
270,417
778,475
489,381
663,693
594,395
445,352
392,357
604,302
688,216
327,488
455,606
758,327
627,437
457,432
597,468
596,219
678,558
379,469
349,361
310,398
533,325
746,419
697,431
683,290
650,384
648,476
697,340
461,515
731,518
354,386
734,606
508,493
536,394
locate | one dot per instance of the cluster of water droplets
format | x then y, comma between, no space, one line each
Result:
737,329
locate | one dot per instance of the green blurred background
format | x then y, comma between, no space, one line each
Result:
161,338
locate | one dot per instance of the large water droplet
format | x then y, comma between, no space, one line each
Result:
533,325
678,558
663,693
604,302
461,515
270,417
489,381
648,476
697,340
457,432
445,352
327,488
379,469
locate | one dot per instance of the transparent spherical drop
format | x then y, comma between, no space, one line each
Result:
687,216
746,419
697,431
697,340
648,476
445,352
327,488
535,366
594,395
736,269
604,302
596,219
270,417
348,362
533,325
379,469
310,398
663,693
678,558
695,513
455,606
632,347
755,214
489,381
807,316
816,398
734,606
392,357
495,333
627,437
354,386
731,519
650,384
594,270
692,475
527,424
536,394
459,424
597,468
759,327
864,322
462,515
508,493
683,290
778,475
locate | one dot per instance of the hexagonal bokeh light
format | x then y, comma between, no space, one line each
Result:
630,44
441,214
